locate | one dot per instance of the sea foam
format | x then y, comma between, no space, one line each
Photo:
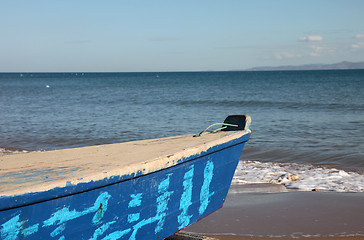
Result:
7,151
302,177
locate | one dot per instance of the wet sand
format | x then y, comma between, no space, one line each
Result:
249,213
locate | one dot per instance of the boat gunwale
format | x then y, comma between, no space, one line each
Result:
20,200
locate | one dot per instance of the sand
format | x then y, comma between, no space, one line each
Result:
250,214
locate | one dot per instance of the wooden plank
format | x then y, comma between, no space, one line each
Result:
42,171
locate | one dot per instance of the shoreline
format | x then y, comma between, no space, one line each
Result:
261,238
183,236
271,213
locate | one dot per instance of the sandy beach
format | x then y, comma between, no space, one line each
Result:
263,211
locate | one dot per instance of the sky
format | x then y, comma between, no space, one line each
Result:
169,35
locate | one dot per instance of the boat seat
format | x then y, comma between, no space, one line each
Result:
240,120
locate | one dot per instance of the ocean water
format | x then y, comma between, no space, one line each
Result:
307,124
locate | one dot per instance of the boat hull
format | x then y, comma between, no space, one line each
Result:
152,206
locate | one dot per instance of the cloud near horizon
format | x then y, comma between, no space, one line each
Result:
285,55
357,46
313,50
320,50
311,39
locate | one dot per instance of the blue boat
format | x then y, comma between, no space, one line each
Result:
146,189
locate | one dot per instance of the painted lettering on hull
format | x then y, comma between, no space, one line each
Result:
112,227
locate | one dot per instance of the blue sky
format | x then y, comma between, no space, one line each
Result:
167,35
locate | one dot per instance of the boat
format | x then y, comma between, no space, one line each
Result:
148,189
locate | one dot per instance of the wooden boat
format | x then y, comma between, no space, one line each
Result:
146,189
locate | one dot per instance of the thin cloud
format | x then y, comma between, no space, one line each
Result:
357,46
317,50
313,50
311,39
286,55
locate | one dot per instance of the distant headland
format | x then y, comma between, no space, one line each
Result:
336,66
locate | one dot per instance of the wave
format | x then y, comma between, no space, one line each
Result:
275,104
254,104
302,177
8,151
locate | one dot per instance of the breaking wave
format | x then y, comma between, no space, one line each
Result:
302,177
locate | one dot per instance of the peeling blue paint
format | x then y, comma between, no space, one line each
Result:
60,218
116,235
65,215
133,217
162,202
101,230
11,228
14,226
30,230
102,202
186,199
136,200
205,190
97,219
58,230
162,206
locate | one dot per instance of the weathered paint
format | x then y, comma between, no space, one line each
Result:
80,169
64,215
186,199
101,230
162,203
136,200
205,190
154,205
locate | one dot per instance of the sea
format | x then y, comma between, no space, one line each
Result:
307,126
